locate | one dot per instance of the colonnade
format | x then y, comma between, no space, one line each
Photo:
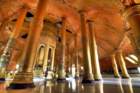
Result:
92,72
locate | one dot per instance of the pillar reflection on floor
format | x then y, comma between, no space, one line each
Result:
127,87
99,87
75,86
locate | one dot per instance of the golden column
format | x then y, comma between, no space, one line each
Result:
24,77
94,52
53,56
76,57
122,64
115,67
46,58
88,75
50,72
61,68
68,61
4,59
39,61
132,16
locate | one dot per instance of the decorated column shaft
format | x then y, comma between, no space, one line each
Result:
39,60
76,56
4,58
68,61
88,74
122,64
61,68
53,56
46,58
24,77
115,67
49,63
94,52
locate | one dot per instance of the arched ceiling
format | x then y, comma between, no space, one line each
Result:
109,25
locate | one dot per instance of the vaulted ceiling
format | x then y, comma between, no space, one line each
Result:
109,25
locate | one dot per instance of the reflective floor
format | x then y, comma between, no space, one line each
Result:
108,85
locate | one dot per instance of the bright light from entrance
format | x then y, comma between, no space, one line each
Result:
134,57
130,60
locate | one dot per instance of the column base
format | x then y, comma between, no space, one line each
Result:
117,76
87,81
125,77
21,85
98,79
50,75
61,79
2,79
22,80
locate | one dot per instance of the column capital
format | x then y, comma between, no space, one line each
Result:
82,12
90,20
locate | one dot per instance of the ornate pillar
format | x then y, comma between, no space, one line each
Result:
115,67
50,72
39,61
132,16
53,56
76,57
122,64
46,58
61,68
68,62
24,77
94,52
4,59
88,75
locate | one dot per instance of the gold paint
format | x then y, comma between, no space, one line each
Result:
25,75
88,75
46,58
76,56
4,59
122,64
61,68
115,67
94,52
53,56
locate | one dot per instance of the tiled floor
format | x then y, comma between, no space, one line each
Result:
108,85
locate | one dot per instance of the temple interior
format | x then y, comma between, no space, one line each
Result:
69,46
